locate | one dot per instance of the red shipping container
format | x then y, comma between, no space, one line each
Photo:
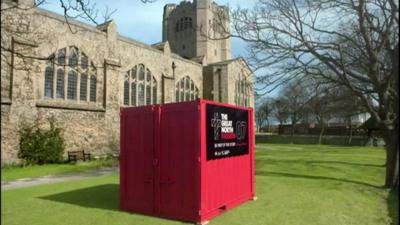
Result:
189,161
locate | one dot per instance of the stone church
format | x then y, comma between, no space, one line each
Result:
53,66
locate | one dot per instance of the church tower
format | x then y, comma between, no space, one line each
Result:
193,29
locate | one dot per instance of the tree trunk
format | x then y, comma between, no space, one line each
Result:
350,133
292,133
392,158
321,133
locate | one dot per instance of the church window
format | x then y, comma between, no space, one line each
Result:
190,23
84,62
73,57
141,94
68,70
184,24
126,89
242,92
72,81
186,90
141,72
142,86
48,82
61,57
133,93
60,83
154,93
93,89
83,87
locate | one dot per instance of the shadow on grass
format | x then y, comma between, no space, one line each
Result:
102,197
290,175
393,206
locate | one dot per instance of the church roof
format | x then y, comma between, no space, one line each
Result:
228,61
225,61
198,59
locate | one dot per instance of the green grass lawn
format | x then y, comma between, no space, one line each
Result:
295,184
14,172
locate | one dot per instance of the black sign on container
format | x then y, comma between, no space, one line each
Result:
227,132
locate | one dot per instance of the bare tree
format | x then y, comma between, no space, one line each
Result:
280,110
263,113
353,44
324,106
294,97
346,106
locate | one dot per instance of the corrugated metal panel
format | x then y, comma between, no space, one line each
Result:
137,153
179,152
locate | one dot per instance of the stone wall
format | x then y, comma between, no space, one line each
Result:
93,127
203,36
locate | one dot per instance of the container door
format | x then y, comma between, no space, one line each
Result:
179,144
138,160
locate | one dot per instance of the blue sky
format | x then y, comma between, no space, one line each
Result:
143,22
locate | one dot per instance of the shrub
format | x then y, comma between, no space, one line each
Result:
39,146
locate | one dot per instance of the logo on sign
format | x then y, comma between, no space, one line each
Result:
241,127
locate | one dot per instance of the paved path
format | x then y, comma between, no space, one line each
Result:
27,182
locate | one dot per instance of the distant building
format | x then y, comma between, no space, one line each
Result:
356,120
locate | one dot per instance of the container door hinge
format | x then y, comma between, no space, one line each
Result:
155,161
198,159
199,212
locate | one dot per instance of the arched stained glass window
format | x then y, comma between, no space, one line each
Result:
142,85
73,56
61,57
134,93
126,89
141,95
141,72
186,90
70,67
84,62
83,87
48,82
60,83
72,85
93,89
192,90
148,94
154,93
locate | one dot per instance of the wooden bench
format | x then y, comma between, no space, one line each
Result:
74,156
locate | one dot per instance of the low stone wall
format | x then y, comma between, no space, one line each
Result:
313,139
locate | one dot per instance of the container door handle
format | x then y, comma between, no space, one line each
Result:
168,181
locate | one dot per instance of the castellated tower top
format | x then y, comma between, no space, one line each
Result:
194,29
